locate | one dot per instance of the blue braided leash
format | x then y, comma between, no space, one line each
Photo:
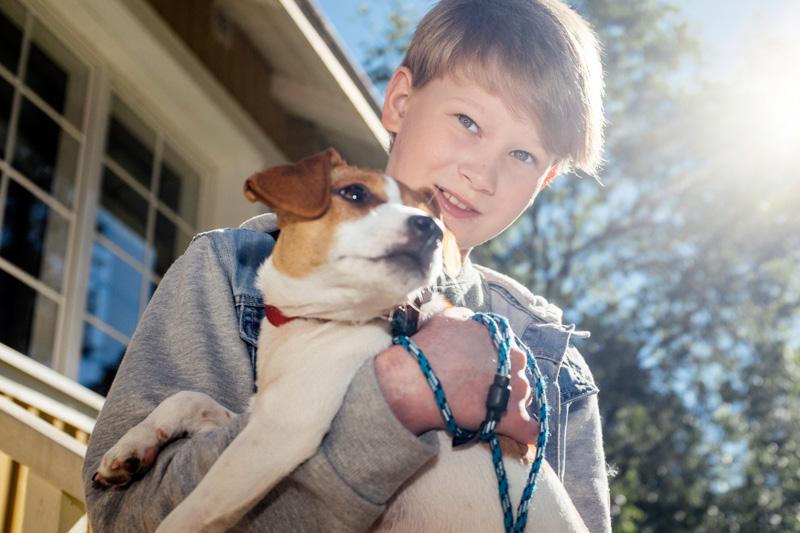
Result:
502,336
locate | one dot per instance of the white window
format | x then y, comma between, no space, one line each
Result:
142,197
146,216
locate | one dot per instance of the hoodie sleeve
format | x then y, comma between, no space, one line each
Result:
585,474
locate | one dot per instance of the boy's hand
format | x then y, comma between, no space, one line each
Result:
465,359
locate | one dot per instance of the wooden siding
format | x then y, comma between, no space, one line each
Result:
235,62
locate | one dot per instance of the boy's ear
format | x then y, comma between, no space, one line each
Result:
394,103
554,171
302,188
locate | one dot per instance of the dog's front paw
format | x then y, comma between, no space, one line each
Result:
133,455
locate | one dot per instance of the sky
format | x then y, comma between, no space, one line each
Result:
726,29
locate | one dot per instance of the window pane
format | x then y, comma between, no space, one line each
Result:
170,243
56,75
28,325
130,143
151,290
114,290
179,186
6,95
122,215
100,357
34,237
45,154
11,23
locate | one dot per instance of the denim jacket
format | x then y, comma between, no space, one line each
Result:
190,338
566,374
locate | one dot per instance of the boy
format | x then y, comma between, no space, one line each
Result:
492,101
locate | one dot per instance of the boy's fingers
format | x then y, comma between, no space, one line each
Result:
528,400
533,426
519,426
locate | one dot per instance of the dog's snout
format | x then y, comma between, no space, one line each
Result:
424,228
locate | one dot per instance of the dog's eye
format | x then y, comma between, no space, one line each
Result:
356,193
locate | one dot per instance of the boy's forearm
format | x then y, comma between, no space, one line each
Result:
365,457
145,502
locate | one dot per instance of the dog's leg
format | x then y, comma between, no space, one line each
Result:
275,441
289,418
182,414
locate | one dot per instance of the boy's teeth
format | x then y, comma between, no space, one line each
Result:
453,200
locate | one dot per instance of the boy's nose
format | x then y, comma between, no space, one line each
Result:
482,176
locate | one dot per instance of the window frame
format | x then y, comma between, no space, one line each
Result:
102,82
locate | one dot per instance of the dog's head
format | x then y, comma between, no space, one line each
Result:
353,242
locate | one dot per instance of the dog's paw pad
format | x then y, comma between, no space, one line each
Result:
132,464
116,473
134,454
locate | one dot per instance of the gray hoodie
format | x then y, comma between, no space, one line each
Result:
199,333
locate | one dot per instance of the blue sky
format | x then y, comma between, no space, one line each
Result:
727,29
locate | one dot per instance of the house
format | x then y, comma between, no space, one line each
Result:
126,127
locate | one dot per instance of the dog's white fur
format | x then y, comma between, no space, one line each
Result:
304,369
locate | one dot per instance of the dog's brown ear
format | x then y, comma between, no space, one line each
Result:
302,188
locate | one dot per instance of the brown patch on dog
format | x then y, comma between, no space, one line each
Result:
307,242
300,188
423,199
511,448
514,450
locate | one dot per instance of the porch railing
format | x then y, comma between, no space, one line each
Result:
45,422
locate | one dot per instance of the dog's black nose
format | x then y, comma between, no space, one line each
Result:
424,228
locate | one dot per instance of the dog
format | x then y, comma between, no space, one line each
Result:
354,244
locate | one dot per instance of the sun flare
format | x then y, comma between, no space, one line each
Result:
774,96
768,94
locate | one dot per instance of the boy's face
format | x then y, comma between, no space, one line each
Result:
484,162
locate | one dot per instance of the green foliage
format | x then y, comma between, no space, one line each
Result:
384,55
683,266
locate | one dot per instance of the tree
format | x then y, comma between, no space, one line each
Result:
682,266
385,54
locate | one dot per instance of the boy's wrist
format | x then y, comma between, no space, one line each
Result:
404,388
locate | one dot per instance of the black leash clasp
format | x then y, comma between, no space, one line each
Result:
404,320
497,398
496,405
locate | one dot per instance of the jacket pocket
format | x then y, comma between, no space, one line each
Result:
250,311
575,379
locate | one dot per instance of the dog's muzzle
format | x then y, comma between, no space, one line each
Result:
425,231
424,237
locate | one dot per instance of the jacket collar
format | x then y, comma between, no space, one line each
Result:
465,289
266,223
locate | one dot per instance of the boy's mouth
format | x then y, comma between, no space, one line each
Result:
453,204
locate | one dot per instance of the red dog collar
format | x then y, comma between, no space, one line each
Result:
275,317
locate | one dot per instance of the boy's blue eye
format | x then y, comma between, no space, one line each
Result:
523,156
467,122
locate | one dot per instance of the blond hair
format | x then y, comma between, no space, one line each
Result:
540,56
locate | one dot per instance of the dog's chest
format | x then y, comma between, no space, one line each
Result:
311,346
